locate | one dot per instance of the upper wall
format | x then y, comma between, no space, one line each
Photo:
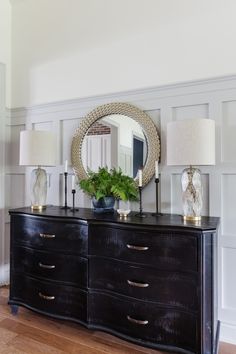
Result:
5,43
65,49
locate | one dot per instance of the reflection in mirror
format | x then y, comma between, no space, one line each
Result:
115,141
134,141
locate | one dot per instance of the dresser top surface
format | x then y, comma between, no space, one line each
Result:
86,214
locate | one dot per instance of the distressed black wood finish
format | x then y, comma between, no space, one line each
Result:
144,283
50,234
50,298
164,249
159,325
66,268
151,281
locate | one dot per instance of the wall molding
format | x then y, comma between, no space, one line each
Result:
158,92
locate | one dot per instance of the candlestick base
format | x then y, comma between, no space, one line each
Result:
157,214
74,209
141,215
65,207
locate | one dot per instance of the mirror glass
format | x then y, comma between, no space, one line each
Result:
117,141
116,134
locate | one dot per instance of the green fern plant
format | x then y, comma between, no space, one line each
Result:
109,183
124,187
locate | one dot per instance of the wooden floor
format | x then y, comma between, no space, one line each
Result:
32,333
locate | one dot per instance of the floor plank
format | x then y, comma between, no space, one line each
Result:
31,333
226,348
29,346
6,336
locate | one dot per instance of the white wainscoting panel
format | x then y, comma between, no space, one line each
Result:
43,126
228,131
176,194
15,190
67,130
228,210
229,286
191,111
6,264
214,99
14,177
156,117
12,144
7,245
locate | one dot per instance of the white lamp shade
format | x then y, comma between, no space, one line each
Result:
37,148
191,142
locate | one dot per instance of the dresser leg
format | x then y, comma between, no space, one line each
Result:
14,309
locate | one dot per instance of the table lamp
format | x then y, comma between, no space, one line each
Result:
191,142
37,148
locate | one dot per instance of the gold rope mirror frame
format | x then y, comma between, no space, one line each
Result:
125,109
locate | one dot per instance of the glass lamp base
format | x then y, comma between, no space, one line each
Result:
38,189
191,194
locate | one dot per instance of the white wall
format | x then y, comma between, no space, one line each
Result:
66,49
5,44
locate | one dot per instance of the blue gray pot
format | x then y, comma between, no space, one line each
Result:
104,205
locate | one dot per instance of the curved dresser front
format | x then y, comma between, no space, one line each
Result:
150,281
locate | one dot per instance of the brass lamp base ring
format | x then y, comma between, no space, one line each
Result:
191,218
38,207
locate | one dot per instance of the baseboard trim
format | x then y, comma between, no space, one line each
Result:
227,333
5,275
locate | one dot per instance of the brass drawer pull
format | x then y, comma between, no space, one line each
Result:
137,248
137,284
46,266
139,322
46,297
47,236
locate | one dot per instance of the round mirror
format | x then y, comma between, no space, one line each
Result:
116,135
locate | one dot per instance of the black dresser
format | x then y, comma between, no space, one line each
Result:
149,280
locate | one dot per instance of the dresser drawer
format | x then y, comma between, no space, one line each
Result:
145,283
46,297
161,249
50,233
144,321
50,265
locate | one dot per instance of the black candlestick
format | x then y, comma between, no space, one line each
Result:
65,176
157,211
73,201
140,214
